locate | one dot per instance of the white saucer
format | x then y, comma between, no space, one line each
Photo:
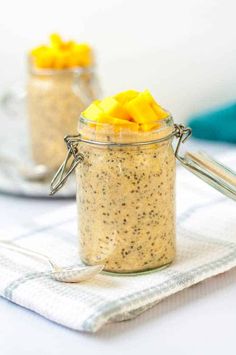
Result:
14,183
15,152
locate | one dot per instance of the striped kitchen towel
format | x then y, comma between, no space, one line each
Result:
206,246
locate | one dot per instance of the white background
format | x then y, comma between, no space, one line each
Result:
184,51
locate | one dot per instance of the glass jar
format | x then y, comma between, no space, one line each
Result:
55,99
126,193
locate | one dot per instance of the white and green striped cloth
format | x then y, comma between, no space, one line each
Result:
206,242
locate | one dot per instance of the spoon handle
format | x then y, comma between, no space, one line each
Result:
27,252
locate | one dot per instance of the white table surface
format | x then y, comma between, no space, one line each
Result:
200,320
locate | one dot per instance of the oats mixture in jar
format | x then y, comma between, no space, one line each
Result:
126,204
53,111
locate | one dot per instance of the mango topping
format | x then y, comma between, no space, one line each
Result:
112,107
61,54
126,96
130,109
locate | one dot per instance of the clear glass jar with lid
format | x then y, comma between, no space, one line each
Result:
126,192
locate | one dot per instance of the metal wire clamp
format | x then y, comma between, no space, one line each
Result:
72,142
62,174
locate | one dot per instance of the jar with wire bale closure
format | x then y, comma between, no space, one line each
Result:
125,177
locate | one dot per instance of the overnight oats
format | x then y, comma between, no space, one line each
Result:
126,193
125,177
61,84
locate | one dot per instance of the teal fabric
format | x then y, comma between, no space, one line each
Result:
217,125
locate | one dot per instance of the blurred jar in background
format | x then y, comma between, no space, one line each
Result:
61,83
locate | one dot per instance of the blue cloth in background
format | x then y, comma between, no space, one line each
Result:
217,125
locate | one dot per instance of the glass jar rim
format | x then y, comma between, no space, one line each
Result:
115,135
168,119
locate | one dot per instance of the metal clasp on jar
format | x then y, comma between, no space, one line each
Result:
205,167
63,172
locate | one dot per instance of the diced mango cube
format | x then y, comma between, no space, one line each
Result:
160,112
113,108
38,51
60,60
44,59
93,111
140,109
83,54
55,40
104,118
125,96
144,109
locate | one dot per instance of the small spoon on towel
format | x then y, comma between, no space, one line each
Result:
71,274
